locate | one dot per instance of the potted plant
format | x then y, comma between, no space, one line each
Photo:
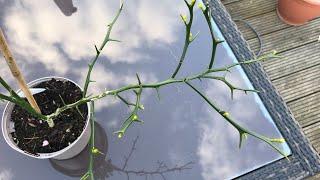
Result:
66,109
298,12
40,140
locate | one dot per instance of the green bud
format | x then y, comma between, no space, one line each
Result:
120,135
226,114
135,117
200,5
95,150
190,36
192,2
184,18
278,140
245,136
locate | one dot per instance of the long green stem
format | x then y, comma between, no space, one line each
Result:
92,139
85,90
98,51
157,85
92,150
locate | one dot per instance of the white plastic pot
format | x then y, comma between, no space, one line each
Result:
68,152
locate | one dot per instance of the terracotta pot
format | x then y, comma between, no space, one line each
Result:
298,12
68,152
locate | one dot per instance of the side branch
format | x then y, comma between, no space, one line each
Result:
134,114
215,42
242,131
227,68
188,36
98,50
230,86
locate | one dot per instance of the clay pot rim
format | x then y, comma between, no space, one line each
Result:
312,2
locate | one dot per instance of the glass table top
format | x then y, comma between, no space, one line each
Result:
181,136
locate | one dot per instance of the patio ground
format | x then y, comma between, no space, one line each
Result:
297,75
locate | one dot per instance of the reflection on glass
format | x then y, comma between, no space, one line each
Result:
66,7
181,138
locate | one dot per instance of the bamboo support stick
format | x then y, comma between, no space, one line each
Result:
16,72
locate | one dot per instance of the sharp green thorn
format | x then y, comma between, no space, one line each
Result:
219,41
140,121
158,93
114,40
232,93
139,81
242,137
97,50
192,38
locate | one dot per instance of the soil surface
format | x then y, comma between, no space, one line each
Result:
35,136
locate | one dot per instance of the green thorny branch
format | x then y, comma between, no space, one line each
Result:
137,88
98,50
208,73
16,99
94,150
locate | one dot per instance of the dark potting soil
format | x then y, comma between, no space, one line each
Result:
35,136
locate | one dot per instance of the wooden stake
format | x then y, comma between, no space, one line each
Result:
16,72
